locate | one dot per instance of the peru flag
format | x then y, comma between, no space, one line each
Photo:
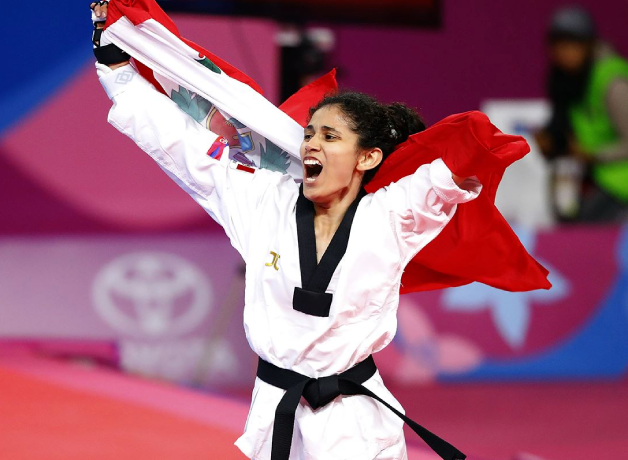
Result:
477,245
211,91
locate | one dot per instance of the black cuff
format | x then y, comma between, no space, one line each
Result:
109,54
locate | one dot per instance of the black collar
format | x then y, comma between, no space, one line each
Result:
316,276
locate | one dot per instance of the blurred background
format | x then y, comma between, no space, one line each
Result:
121,300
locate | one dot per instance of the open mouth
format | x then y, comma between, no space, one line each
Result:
313,169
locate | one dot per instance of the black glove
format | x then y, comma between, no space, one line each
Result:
109,53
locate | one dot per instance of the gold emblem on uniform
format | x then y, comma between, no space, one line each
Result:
273,263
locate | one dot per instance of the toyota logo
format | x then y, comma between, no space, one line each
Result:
152,294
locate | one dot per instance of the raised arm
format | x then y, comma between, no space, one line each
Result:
186,152
420,205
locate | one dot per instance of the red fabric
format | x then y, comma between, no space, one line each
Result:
138,11
248,169
298,105
478,244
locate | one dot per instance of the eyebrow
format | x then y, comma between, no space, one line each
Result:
324,128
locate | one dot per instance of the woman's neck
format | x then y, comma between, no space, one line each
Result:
333,211
328,216
327,220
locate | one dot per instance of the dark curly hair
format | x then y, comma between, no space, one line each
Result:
377,125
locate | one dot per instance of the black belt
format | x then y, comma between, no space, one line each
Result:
320,392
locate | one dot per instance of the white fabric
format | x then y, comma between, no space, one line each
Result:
257,211
117,83
154,46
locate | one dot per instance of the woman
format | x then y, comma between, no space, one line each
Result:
324,262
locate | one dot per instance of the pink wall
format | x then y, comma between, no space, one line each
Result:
66,170
487,49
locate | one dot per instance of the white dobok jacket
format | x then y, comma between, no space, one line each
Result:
257,211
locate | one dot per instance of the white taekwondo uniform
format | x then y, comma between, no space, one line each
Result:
257,211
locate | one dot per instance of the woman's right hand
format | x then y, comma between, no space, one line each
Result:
99,16
99,13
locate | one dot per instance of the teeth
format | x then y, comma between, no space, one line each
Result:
310,161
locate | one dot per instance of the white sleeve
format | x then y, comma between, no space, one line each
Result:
423,203
180,147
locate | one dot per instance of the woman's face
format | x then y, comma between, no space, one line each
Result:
329,153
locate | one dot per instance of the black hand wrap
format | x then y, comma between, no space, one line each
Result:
109,54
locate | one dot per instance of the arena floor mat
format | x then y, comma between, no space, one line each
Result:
51,410
55,410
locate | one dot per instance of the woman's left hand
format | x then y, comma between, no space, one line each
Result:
457,179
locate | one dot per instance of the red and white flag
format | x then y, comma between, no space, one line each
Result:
214,93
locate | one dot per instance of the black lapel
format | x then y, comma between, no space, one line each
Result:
306,238
315,278
319,282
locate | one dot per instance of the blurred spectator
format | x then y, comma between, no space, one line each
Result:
587,136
